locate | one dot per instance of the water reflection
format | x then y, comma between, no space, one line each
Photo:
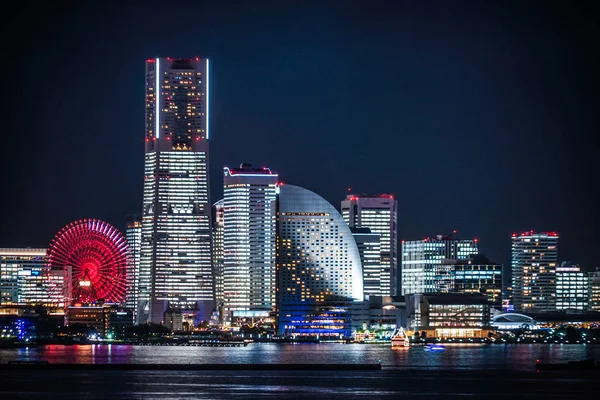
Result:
521,356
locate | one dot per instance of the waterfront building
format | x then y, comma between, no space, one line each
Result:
249,239
595,291
477,274
449,315
379,213
319,271
133,235
26,279
422,268
572,288
369,250
176,261
378,317
534,260
511,321
107,319
217,253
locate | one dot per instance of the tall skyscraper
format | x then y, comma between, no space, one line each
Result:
249,242
175,264
422,268
534,259
217,251
378,213
318,265
572,288
133,234
369,250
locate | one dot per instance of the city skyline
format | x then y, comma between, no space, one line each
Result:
473,120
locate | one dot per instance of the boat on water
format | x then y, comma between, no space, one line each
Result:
434,347
400,338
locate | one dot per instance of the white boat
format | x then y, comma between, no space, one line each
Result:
400,338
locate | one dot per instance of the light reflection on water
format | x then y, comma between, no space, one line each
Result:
514,356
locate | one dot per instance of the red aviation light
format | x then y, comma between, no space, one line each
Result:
476,240
151,60
197,59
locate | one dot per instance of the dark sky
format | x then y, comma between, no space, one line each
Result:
478,116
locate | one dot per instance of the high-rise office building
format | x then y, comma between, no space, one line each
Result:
369,250
594,291
318,266
534,260
477,274
378,213
133,235
422,267
175,264
217,251
572,288
249,242
25,278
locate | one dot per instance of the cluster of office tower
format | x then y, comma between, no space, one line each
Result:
281,253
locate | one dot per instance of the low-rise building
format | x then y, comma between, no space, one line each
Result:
104,318
449,315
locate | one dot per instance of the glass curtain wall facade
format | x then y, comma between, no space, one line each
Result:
594,290
477,275
218,229
572,288
380,214
249,237
25,278
133,235
369,249
422,267
175,263
534,260
318,265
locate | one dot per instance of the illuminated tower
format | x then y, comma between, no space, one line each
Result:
423,269
133,234
534,259
249,242
369,249
175,264
378,213
217,250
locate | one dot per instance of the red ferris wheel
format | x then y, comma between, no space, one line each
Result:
92,255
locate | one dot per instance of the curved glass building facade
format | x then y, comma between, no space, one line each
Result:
319,270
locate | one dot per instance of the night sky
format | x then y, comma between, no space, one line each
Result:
480,118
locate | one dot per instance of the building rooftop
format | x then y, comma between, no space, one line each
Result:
354,229
22,251
455,298
246,168
532,233
353,197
